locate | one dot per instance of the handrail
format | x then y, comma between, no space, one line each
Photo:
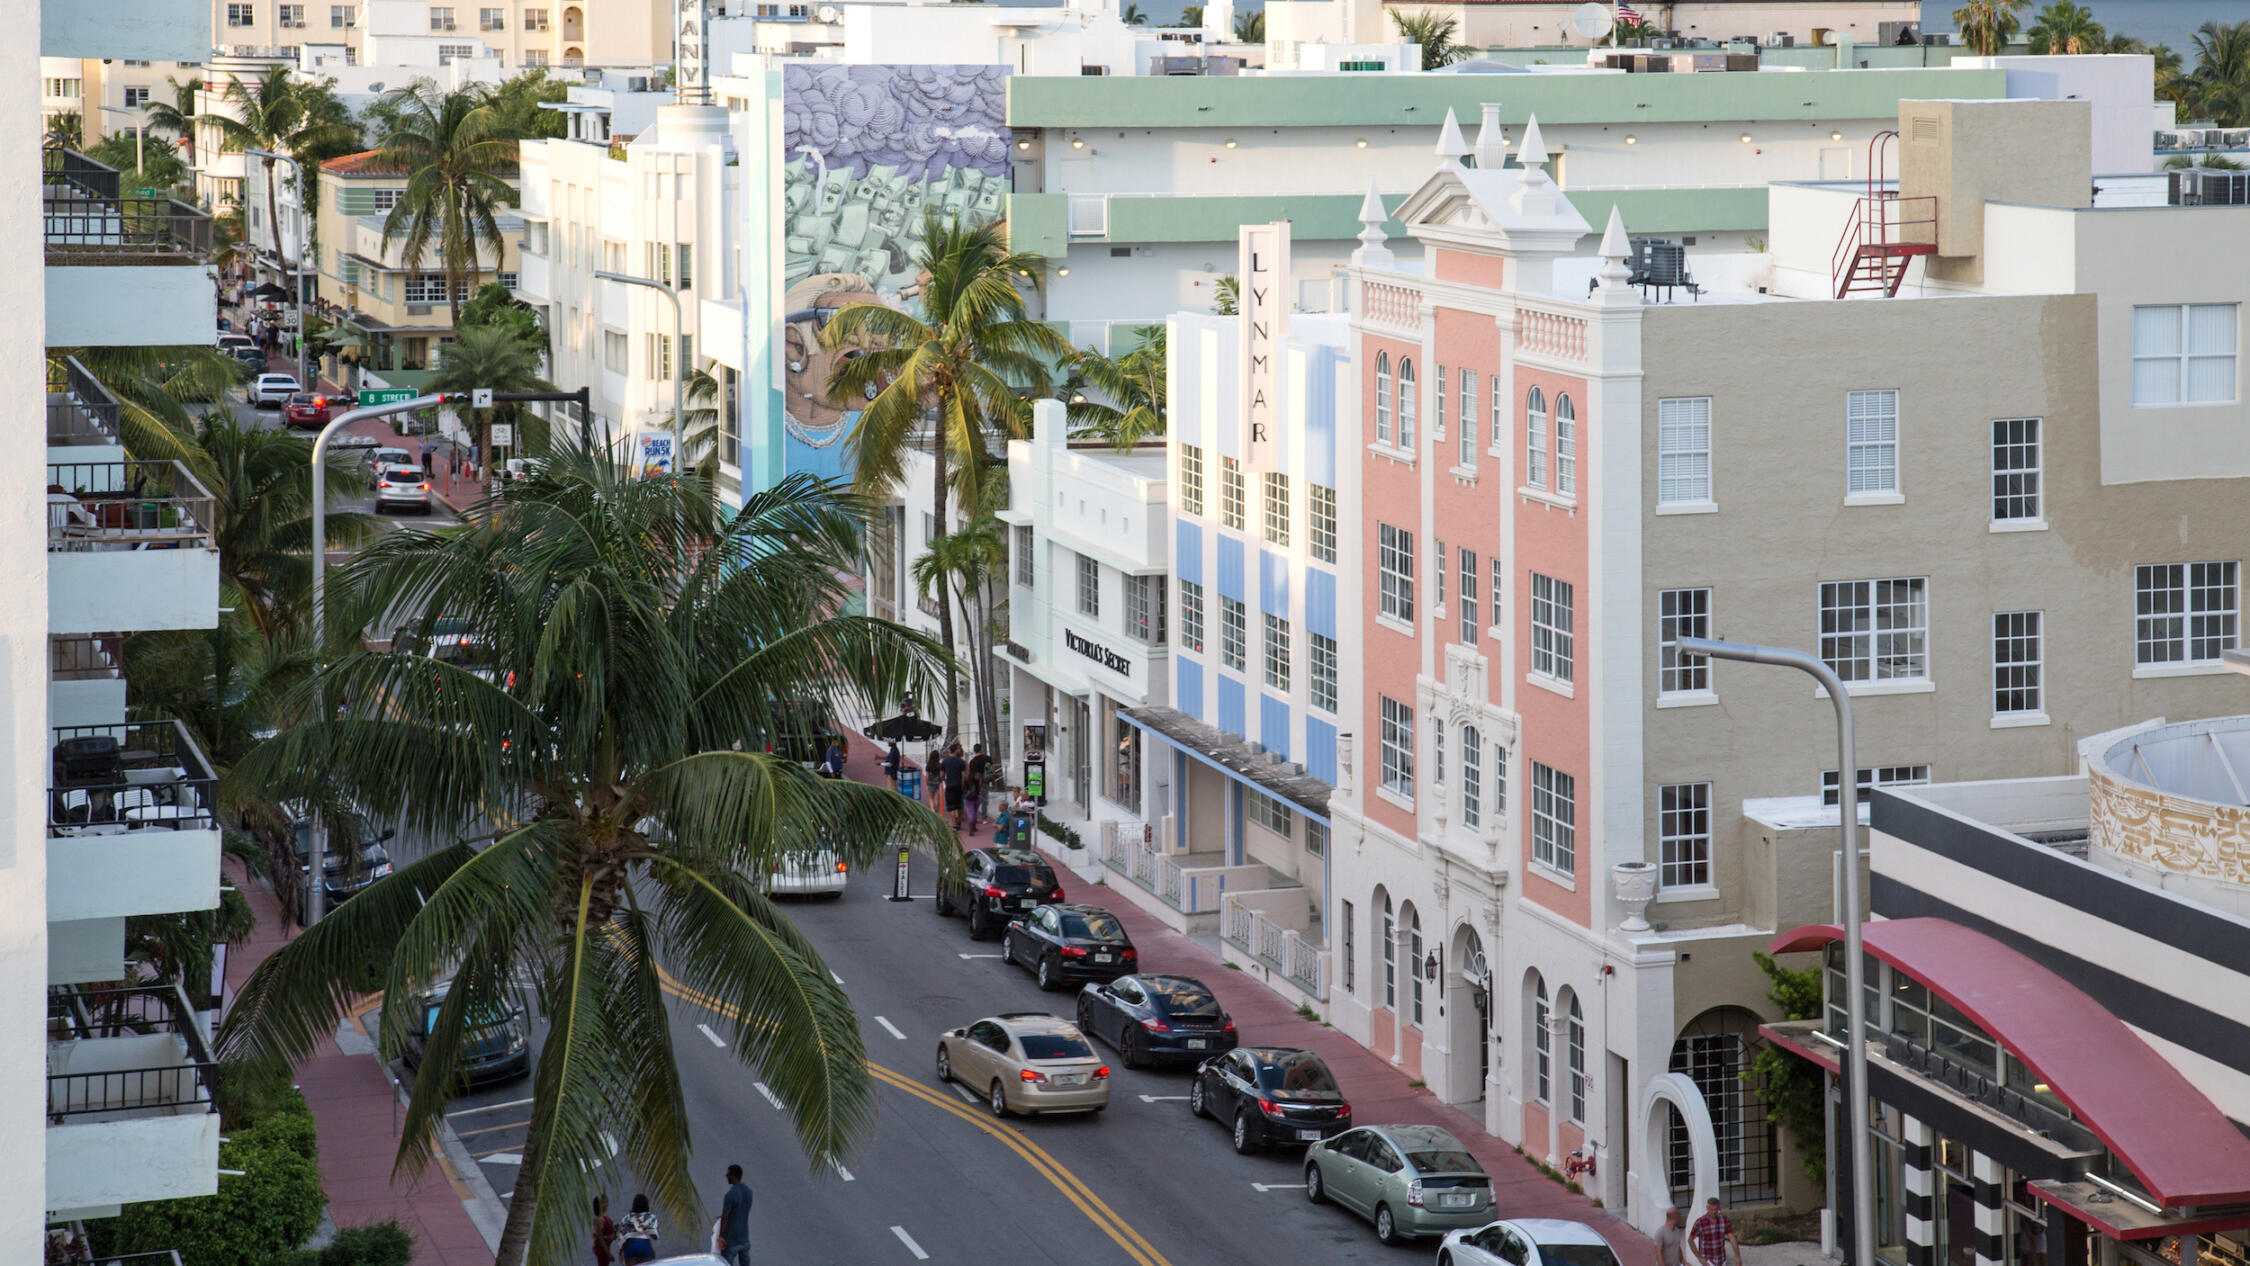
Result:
87,413
85,657
88,213
147,795
182,1084
125,504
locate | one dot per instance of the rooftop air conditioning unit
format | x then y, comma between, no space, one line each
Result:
1781,39
2224,188
2235,138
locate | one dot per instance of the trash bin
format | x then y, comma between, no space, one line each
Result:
910,782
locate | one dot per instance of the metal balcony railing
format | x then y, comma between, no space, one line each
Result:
91,219
142,775
90,657
77,1015
125,505
80,410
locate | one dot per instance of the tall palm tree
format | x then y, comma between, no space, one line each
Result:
492,356
1988,25
1250,28
1133,15
2221,80
596,806
1436,33
177,116
461,154
958,569
953,380
1133,407
2066,27
1191,15
281,114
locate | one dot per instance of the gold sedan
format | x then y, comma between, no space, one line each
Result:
1026,1061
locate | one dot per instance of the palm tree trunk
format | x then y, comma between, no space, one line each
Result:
945,609
523,1203
994,737
273,217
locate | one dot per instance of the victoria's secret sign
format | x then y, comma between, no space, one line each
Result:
1098,653
1264,262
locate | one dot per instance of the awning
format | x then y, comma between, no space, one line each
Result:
2181,1147
1230,754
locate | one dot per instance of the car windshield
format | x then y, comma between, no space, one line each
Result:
1182,998
1576,1255
490,1019
1055,1046
1299,1075
1444,1162
1093,927
1031,876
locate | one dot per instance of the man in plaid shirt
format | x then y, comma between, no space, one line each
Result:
1711,1236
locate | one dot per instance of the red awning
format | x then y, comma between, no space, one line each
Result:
2181,1147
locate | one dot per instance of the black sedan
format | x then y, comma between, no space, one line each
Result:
1156,1019
355,856
1066,943
1271,1096
997,885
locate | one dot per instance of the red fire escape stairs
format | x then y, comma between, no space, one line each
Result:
1878,240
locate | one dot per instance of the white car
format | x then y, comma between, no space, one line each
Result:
1527,1242
816,874
273,390
401,486
383,459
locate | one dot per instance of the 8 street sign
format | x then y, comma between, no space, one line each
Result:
391,395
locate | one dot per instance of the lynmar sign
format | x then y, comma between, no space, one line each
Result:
1264,262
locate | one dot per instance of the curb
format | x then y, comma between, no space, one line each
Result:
487,1212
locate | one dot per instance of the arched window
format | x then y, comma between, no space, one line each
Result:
1414,959
1390,954
1542,1043
1469,419
1406,404
1383,397
1472,778
1535,439
1574,1050
1566,446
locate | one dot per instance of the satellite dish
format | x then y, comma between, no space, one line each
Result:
1592,20
828,13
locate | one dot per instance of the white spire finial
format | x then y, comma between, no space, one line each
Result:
1535,193
1615,245
1372,249
1450,146
1492,142
1616,275
1533,152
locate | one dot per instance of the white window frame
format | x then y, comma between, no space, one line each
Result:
1232,494
1499,409
2186,613
1554,819
1535,438
343,17
534,19
1089,587
1397,747
2163,377
1406,403
2019,670
1566,446
1872,777
1683,835
1276,651
1871,448
1493,596
425,288
1276,490
136,96
289,17
2018,457
1323,672
1269,813
1395,567
1468,596
1683,452
1876,632
1414,953
1437,576
1543,1045
1191,616
1140,607
1553,640
491,19
1191,479
242,15
1382,397
1320,514
1472,778
1682,613
1574,1050
1234,634
1390,954
1468,419
1026,569
1440,384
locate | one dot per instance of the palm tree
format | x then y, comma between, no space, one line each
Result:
261,486
1133,15
1988,25
69,127
958,569
2066,27
154,387
951,380
492,356
2221,80
461,154
1133,385
282,114
1191,15
699,423
177,116
1250,28
596,808
1434,32
1226,296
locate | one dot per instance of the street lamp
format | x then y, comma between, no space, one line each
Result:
296,272
1855,971
679,358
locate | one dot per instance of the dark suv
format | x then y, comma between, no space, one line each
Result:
998,887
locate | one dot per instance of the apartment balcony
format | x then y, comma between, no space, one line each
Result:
86,680
129,547
82,415
124,269
130,823
129,1113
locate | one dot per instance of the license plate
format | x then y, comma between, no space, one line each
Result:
1308,1136
1066,1079
1101,958
1197,1043
1019,905
1457,1202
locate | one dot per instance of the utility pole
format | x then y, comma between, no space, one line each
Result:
296,267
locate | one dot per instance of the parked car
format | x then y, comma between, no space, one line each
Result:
1270,1096
1157,1019
355,856
495,1046
815,873
382,459
402,486
307,411
1066,944
1026,1061
271,390
998,885
1409,1180
1527,1242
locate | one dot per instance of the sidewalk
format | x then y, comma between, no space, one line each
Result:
353,1105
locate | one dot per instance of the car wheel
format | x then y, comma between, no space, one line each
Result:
1445,1259
1243,1143
940,904
976,923
944,1065
1130,1045
1386,1226
1047,979
1314,1191
999,1099
1007,949
1195,1098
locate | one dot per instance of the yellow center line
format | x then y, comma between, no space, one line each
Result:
1106,1219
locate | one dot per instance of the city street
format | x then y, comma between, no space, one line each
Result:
362,498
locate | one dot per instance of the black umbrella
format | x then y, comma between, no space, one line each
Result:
910,729
268,290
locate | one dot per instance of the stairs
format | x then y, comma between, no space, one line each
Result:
1885,232
1879,266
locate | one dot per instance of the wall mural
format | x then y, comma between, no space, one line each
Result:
868,149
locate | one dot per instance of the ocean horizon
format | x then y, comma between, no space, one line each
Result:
2168,22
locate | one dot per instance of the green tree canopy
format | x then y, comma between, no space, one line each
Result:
459,155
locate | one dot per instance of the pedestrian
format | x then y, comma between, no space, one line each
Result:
641,1233
892,760
734,1220
1712,1235
605,1233
832,760
1671,1238
972,802
953,771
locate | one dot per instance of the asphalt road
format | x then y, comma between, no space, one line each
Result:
362,499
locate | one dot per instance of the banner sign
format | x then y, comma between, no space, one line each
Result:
1264,251
656,454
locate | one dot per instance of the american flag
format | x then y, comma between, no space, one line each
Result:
1627,13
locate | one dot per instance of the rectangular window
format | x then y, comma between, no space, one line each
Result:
242,15
1351,949
1277,651
1437,404
1140,609
1230,493
1468,420
1025,576
1871,441
613,351
1234,634
659,254
425,288
441,19
1492,595
1873,776
1269,813
1406,405
1683,451
1321,513
534,57
135,98
1191,479
1191,616
1681,613
2183,613
683,273
1324,672
1876,630
2018,666
343,17
2015,470
2184,353
1468,598
1535,439
1395,559
1089,586
64,89
1551,638
534,19
1316,844
660,356
1499,414
1683,833
1277,508
290,16
1554,819
447,54
1398,746
492,19
1472,772
1437,575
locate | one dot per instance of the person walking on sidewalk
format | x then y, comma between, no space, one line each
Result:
1671,1239
641,1233
605,1233
1712,1235
892,760
953,771
734,1220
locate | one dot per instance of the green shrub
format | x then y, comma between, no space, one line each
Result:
260,1217
375,1244
247,1094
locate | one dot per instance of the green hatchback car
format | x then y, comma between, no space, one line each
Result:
1409,1180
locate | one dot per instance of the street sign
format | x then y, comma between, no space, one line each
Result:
389,395
899,890
480,397
503,434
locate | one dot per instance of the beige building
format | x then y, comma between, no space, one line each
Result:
521,33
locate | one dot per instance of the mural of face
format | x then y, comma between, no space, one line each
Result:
813,418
